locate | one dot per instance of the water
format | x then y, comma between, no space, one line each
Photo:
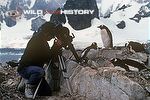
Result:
8,54
8,57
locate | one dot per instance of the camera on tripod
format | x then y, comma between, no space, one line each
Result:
64,36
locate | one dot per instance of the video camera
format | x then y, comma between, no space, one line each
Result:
63,34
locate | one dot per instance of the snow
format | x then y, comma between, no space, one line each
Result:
108,4
16,37
86,37
3,2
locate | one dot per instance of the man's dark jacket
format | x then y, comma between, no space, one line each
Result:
36,53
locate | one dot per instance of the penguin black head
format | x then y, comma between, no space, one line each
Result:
102,27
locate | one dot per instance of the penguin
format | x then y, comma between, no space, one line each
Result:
106,36
125,63
87,49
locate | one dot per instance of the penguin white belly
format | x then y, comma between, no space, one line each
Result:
105,38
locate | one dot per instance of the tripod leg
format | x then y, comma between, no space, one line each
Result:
65,75
35,93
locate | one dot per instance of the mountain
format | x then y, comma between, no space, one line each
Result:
114,5
106,8
13,10
111,13
82,13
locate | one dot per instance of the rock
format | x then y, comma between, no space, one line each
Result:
69,55
83,21
2,71
125,54
147,98
146,74
36,23
136,18
109,54
2,74
93,64
58,18
102,62
98,64
123,7
121,25
136,46
71,66
12,63
76,97
106,84
148,88
149,61
73,69
119,68
140,57
147,48
11,83
93,54
46,5
143,12
10,22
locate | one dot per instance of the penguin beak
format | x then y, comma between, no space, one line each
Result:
98,26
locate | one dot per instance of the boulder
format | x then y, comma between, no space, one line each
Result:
121,25
136,46
139,57
123,54
36,23
2,71
109,54
10,22
98,79
106,84
2,74
69,55
58,18
71,66
147,48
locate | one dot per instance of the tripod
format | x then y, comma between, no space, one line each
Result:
64,73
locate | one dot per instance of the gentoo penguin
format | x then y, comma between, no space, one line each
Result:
87,49
106,36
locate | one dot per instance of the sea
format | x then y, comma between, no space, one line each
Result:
9,54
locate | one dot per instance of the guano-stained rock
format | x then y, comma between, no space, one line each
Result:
106,84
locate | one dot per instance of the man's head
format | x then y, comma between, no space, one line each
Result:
47,30
62,33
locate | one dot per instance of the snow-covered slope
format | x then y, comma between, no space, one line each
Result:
18,36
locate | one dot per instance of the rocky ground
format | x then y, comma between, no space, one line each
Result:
99,78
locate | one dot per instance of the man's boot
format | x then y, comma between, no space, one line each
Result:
29,91
21,85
